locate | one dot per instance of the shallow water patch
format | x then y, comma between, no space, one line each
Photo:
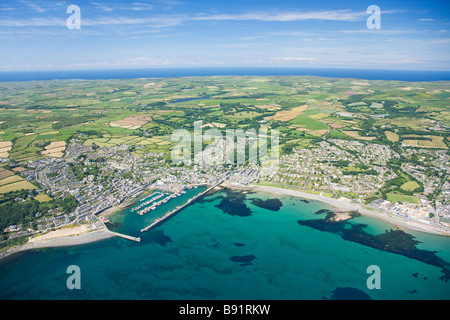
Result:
393,241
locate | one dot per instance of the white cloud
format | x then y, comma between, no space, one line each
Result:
288,59
34,6
440,41
145,61
137,6
3,8
102,7
335,15
34,22
330,15
151,22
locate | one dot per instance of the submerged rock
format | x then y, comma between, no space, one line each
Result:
349,293
394,241
270,204
245,260
234,205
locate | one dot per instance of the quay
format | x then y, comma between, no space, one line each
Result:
126,236
179,208
104,220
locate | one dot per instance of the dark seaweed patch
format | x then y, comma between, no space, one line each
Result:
158,236
248,258
210,197
270,204
246,264
349,293
333,217
233,204
321,211
244,260
393,241
323,225
237,244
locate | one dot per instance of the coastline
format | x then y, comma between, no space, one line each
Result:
80,235
342,206
67,237
110,211
61,241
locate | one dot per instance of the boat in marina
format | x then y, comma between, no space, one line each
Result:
146,203
155,204
177,209
151,202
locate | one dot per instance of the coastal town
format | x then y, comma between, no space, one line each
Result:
357,172
171,150
334,141
120,177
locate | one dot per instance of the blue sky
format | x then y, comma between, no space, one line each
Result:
211,33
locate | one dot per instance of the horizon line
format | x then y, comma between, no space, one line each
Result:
222,68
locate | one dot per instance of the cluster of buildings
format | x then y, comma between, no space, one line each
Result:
429,167
333,165
339,168
243,177
419,213
121,177
56,220
359,170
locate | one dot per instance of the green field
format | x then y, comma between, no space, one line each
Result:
410,186
34,114
402,198
309,123
424,141
10,179
244,115
42,198
391,136
17,186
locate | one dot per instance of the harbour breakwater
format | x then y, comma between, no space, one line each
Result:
105,220
179,208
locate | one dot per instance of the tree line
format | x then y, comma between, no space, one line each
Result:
20,207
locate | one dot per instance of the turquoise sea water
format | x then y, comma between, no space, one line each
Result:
232,245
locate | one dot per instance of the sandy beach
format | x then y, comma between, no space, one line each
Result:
66,237
342,205
61,233
61,238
